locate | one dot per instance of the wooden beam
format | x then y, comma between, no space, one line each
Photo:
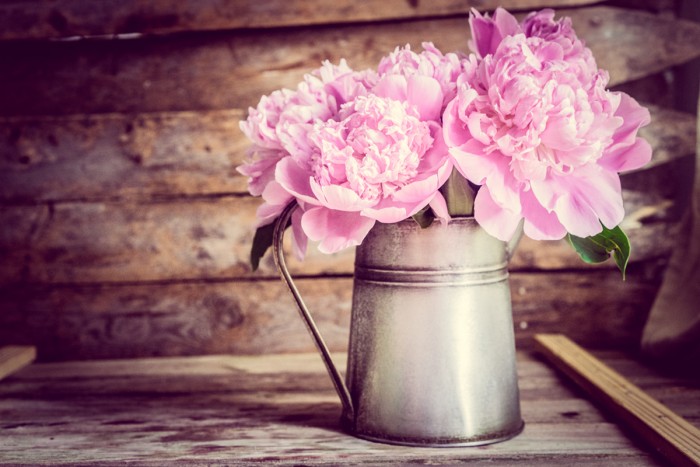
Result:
113,156
254,317
210,238
663,430
13,358
34,20
232,69
116,156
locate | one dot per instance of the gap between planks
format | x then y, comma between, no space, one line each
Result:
664,430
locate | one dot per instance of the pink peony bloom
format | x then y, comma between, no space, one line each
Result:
488,33
383,160
445,68
279,126
544,143
275,124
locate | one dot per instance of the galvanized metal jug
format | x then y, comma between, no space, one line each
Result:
432,354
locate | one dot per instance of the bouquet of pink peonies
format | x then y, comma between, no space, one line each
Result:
520,132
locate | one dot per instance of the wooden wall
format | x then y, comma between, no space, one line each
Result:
125,229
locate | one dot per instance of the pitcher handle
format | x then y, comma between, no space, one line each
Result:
277,239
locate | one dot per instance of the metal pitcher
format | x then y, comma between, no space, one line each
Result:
431,359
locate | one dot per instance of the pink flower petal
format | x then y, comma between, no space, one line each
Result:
634,116
487,33
392,86
275,193
267,213
496,220
425,94
473,162
583,199
438,153
540,224
421,190
483,31
628,152
632,157
439,207
335,230
390,213
454,131
503,186
338,197
295,180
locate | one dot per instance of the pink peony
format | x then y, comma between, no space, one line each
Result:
383,160
543,141
445,68
274,125
279,126
488,33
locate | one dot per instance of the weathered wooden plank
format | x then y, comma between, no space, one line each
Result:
671,334
250,317
280,409
258,378
676,439
210,237
116,156
671,134
16,241
232,69
14,357
34,20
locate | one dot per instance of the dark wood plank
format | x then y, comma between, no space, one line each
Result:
251,317
672,331
210,237
232,69
35,20
272,409
117,156
114,156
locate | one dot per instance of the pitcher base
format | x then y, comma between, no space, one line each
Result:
489,438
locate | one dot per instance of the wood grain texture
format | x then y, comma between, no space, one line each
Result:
232,69
210,237
671,333
675,438
277,409
35,20
118,156
253,317
14,357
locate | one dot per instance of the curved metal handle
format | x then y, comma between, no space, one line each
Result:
277,239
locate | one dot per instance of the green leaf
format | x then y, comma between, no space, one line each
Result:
261,242
424,217
459,195
598,248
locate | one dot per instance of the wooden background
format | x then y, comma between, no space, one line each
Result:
125,229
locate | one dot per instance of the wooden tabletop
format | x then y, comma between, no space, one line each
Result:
282,410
